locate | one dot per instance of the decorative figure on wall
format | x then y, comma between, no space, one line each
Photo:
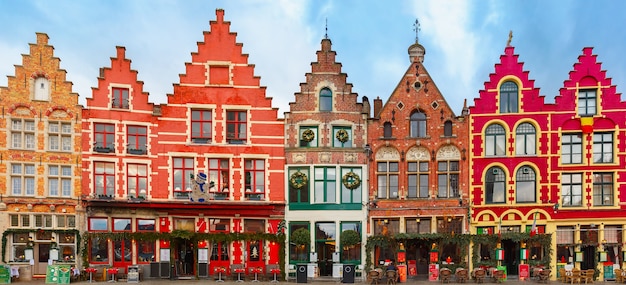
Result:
198,193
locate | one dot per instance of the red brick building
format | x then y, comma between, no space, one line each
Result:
554,167
327,180
39,163
418,171
196,180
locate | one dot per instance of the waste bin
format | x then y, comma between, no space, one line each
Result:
301,273
348,273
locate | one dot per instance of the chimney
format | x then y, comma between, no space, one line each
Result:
378,106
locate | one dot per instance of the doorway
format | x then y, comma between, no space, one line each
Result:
511,256
184,257
41,255
325,249
589,257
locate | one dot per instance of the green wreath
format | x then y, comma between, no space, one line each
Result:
351,180
298,180
308,135
342,136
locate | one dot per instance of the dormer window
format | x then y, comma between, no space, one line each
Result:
120,98
587,102
326,100
42,89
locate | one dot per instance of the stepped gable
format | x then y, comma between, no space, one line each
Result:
588,72
509,68
220,64
120,74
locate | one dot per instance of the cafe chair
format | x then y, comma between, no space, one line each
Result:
374,277
576,276
544,275
587,275
479,275
391,277
498,276
445,275
618,275
461,276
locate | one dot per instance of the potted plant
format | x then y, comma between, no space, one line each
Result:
301,238
349,239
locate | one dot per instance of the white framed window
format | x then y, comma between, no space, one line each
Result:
60,136
60,180
23,179
22,134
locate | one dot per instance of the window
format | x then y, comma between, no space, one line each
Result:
121,225
43,221
417,226
308,136
59,180
586,102
66,221
572,189
146,251
448,179
350,175
526,181
59,136
417,179
508,97
297,252
137,139
325,184
137,180
495,140
495,185
146,225
183,169
98,224
22,134
104,177
104,135
255,179
22,221
603,148
201,126
98,250
387,176
447,129
387,130
326,100
299,185
603,189
236,129
450,225
342,137
20,241
42,89
417,125
120,98
525,139
571,148
351,252
218,177
23,179
386,226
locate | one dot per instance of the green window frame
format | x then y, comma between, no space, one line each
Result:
325,185
301,136
351,196
298,253
299,195
337,142
351,254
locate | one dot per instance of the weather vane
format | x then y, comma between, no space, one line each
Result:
326,35
508,42
416,28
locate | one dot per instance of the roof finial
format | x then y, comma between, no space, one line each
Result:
416,28
508,43
326,35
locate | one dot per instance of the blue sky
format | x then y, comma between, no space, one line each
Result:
463,40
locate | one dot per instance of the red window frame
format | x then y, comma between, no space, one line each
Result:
120,98
138,135
137,178
235,120
98,218
130,228
187,168
252,171
104,135
154,223
201,120
101,173
219,168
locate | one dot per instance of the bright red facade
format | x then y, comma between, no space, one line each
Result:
556,167
218,132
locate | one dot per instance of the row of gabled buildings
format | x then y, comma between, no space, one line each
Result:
214,179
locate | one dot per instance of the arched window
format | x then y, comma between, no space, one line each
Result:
525,184
418,125
508,97
495,185
387,130
525,138
326,100
447,129
41,89
495,140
